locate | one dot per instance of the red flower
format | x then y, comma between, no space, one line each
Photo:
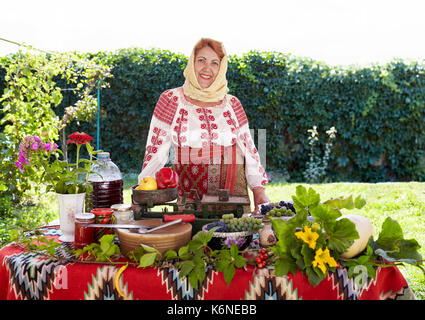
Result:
79,138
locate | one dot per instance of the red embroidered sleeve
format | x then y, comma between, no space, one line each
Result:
166,107
239,111
159,142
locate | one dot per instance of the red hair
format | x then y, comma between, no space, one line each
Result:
213,44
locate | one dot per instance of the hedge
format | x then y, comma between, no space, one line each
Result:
378,110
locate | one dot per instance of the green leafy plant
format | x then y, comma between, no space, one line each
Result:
34,86
316,166
388,250
194,259
59,175
34,241
314,244
102,251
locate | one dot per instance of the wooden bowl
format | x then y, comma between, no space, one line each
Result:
170,238
158,196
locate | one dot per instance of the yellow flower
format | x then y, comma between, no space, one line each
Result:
308,236
323,257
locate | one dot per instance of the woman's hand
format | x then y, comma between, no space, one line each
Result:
259,197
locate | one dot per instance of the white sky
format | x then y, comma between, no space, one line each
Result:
334,31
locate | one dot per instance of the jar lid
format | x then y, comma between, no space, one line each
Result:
103,156
102,211
121,207
84,216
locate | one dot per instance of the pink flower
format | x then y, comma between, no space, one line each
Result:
49,146
19,165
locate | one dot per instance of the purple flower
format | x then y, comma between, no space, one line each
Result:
34,146
238,241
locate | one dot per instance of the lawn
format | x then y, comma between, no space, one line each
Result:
404,202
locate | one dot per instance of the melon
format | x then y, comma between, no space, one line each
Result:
365,230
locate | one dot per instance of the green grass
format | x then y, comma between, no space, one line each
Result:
404,202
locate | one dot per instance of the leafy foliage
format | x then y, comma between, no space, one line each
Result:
378,110
194,259
31,93
328,230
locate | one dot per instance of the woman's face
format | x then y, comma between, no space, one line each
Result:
207,65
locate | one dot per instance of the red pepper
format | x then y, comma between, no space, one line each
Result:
166,178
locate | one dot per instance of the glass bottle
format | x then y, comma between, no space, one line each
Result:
107,183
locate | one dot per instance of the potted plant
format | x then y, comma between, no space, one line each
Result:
42,160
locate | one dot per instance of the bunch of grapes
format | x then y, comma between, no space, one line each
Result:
279,212
285,208
245,223
220,224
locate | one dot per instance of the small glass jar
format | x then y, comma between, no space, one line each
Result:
103,216
122,213
83,235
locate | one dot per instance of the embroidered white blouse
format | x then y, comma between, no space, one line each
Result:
178,122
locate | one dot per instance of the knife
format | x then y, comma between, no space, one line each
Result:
141,229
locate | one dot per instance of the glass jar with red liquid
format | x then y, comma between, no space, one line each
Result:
83,235
107,183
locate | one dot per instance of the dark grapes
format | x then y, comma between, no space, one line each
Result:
278,209
222,226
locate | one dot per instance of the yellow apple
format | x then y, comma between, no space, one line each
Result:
147,183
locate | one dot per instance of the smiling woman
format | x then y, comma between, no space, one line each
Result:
207,65
209,131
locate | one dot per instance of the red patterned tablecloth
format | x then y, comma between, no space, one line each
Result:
28,275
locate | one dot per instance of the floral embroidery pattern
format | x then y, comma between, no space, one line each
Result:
152,148
209,125
181,127
252,151
231,122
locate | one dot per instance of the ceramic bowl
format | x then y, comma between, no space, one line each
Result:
170,238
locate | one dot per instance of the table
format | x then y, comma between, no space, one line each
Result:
28,275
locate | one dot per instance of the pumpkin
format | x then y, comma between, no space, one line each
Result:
365,230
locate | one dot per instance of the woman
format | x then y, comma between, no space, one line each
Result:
209,131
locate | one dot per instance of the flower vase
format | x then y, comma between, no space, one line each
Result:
69,206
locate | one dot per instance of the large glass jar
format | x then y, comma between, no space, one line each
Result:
107,183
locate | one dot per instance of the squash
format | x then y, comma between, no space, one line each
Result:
365,229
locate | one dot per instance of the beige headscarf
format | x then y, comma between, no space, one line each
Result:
216,91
